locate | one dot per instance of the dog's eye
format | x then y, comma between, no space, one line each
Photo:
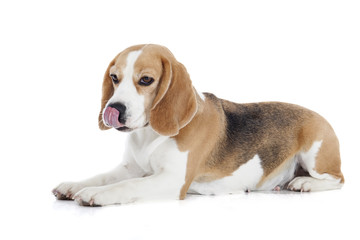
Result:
146,81
114,78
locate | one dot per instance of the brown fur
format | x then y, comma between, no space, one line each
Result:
328,158
107,92
173,109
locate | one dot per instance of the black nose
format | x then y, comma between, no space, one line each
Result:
121,109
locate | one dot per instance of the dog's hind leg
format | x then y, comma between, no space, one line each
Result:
322,162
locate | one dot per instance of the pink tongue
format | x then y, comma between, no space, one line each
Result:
111,117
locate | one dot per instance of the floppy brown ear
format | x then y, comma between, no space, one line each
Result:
175,103
107,92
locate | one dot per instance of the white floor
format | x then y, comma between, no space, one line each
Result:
284,215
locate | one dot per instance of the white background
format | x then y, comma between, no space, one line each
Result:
53,55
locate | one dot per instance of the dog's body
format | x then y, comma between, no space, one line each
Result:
182,141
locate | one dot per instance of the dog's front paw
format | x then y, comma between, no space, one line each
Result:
67,190
102,196
92,196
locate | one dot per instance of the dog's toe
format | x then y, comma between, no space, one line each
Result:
60,196
83,203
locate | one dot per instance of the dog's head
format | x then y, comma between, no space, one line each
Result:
145,85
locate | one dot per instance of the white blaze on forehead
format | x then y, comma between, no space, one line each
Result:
126,90
130,62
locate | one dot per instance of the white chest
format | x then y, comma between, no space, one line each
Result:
152,152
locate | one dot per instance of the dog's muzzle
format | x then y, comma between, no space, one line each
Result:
114,115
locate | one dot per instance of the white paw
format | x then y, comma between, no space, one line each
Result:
94,196
67,190
302,184
102,196
87,196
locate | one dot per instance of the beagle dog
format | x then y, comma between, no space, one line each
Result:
182,141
